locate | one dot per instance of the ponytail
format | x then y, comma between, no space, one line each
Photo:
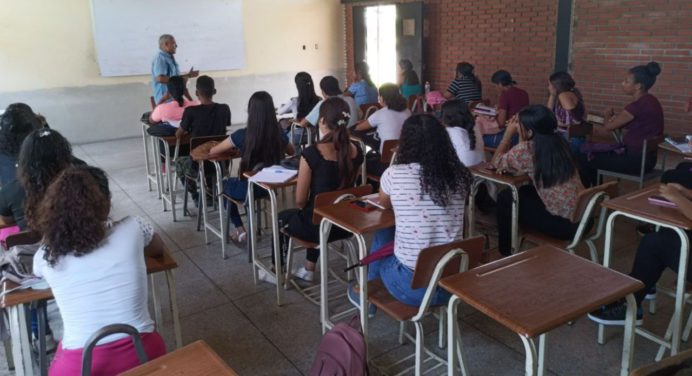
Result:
336,114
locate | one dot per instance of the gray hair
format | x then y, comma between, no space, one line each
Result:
165,38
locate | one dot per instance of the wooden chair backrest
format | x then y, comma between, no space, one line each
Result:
23,238
388,149
328,198
369,108
586,195
429,257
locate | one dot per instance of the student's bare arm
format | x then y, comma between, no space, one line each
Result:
303,185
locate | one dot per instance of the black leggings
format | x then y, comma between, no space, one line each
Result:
657,251
532,214
298,223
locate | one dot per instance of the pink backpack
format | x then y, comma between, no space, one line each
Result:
341,352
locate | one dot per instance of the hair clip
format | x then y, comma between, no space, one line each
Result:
341,122
44,133
346,115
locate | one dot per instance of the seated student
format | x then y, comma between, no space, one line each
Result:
543,154
657,251
465,137
466,86
206,119
43,155
427,187
641,119
567,104
330,88
387,121
363,90
408,79
16,123
261,142
329,165
512,99
166,116
96,270
306,100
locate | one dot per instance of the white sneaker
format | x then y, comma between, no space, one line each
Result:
266,277
304,274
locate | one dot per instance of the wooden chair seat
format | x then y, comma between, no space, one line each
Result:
536,237
380,297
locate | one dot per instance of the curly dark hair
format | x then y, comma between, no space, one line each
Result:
44,154
72,216
424,140
15,124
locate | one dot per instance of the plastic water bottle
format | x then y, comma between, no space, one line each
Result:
427,88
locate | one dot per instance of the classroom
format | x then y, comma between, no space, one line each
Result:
345,187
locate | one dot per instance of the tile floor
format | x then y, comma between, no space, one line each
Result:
220,304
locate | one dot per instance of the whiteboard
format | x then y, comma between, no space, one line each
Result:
209,34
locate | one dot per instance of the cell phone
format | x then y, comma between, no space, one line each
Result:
491,168
363,206
661,201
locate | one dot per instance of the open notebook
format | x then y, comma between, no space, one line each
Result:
681,143
274,175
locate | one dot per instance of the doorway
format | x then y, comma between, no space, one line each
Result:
384,34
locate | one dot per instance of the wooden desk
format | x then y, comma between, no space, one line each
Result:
252,231
195,359
165,264
17,303
666,147
200,155
636,206
481,174
534,292
358,222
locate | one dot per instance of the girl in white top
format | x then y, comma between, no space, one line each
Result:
387,121
97,272
427,187
466,138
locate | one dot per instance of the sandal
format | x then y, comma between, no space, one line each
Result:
238,237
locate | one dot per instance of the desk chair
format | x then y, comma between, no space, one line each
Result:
368,109
168,186
105,332
308,139
386,157
416,104
148,146
164,264
312,293
588,202
433,263
650,146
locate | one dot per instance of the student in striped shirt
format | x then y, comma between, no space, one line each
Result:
466,86
427,186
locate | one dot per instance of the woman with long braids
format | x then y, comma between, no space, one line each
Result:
329,165
427,187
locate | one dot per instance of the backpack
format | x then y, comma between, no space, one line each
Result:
342,351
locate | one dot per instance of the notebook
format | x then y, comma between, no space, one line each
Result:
681,143
274,175
482,109
373,199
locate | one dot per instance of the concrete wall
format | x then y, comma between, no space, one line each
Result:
49,62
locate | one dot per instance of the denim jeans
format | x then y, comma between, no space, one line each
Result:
397,277
493,140
237,189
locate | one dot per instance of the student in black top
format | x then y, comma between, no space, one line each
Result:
207,119
261,142
329,165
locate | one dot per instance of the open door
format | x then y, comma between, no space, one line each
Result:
384,34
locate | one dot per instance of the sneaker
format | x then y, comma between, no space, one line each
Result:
304,274
614,314
651,294
51,345
354,298
266,277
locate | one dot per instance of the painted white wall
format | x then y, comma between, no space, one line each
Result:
48,58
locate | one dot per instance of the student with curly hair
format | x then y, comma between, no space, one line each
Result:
96,270
547,205
427,187
16,123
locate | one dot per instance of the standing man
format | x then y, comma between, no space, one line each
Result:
164,66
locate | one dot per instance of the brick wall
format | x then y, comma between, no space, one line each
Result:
516,35
609,37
